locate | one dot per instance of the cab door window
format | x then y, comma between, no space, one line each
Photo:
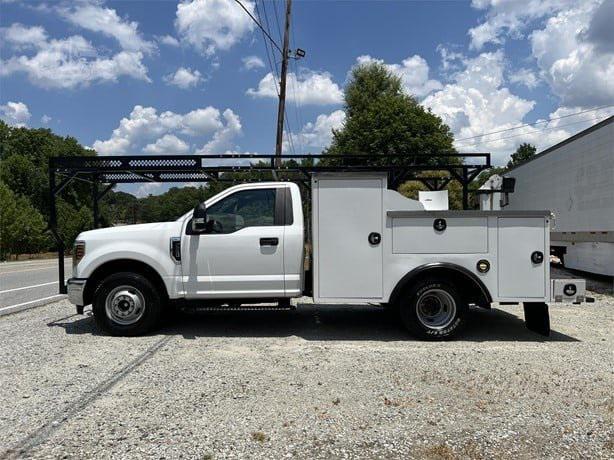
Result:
247,208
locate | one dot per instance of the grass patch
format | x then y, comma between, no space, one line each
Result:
259,436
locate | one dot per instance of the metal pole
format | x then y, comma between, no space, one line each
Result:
53,227
282,87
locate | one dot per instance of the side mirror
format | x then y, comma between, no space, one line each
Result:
199,218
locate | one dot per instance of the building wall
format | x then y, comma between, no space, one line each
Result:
575,181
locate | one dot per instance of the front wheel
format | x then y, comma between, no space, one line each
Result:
433,309
127,304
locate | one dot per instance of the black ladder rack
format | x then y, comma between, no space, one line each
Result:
107,171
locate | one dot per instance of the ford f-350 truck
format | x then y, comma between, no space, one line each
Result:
368,244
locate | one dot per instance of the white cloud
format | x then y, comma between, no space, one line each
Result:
184,78
211,25
70,62
147,131
510,17
252,62
201,121
318,134
316,88
46,119
222,139
96,18
15,113
524,77
600,31
572,43
450,59
413,72
168,40
476,102
21,36
578,70
168,144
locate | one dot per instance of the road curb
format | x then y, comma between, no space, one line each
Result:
31,304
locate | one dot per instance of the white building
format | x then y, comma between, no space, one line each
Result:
575,180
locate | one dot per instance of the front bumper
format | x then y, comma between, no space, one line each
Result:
75,288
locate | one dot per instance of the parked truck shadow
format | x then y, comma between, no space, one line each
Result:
324,322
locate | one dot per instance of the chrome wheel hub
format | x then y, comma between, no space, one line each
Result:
436,309
125,305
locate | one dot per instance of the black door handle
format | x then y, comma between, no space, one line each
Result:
269,241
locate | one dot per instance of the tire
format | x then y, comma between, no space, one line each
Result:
432,309
127,304
391,309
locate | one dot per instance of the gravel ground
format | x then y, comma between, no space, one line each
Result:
317,382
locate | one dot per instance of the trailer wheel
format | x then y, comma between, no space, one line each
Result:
433,309
127,304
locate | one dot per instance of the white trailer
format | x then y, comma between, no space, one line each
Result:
370,245
575,180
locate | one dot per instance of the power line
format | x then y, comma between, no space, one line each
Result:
535,123
268,26
259,25
277,21
274,71
540,130
282,76
273,66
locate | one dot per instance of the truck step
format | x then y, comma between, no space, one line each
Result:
240,307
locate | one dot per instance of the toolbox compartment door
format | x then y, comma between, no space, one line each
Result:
347,264
519,277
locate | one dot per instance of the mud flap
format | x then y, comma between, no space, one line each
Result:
537,318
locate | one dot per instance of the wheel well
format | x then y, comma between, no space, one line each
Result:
121,265
469,285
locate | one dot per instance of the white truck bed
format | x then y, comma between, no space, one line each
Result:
348,268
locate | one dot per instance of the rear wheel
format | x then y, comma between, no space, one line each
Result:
433,309
127,304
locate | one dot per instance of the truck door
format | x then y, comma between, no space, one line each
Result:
242,255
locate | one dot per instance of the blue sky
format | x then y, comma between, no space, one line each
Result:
153,77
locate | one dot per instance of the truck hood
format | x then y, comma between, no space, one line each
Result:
140,231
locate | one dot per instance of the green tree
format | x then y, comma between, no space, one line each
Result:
523,153
22,227
381,119
119,207
24,165
72,221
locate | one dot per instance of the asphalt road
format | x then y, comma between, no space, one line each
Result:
29,283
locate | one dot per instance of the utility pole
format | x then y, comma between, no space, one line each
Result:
282,87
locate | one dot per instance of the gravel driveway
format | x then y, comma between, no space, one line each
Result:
317,382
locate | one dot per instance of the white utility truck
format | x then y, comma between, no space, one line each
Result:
369,244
